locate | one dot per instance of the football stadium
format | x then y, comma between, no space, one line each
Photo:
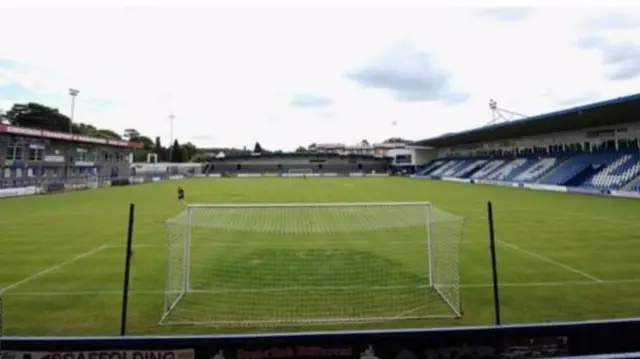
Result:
386,237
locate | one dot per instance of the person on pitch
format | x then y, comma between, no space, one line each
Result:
180,194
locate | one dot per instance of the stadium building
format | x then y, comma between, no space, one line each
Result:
376,149
589,149
40,158
402,157
322,159
297,163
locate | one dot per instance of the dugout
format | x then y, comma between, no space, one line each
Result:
607,125
33,157
297,162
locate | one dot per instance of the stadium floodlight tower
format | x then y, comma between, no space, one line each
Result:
172,118
500,115
73,93
308,264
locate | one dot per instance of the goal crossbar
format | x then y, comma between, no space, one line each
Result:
312,204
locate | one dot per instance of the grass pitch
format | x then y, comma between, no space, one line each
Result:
560,256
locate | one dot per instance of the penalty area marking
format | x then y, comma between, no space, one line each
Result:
213,291
51,269
551,261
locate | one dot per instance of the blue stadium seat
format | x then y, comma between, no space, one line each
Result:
538,169
470,168
452,170
449,167
618,173
489,168
512,169
517,170
608,170
429,167
582,164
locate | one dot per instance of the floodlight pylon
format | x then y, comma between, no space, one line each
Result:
501,115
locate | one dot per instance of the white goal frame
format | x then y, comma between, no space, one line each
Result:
456,309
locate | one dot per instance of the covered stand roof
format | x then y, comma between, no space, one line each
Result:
62,136
606,113
286,155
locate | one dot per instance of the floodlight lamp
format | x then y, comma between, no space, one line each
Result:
493,104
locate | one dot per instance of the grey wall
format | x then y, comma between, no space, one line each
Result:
60,162
284,165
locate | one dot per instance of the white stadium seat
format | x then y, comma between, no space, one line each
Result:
488,169
536,171
504,172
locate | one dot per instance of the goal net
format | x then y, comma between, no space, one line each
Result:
257,265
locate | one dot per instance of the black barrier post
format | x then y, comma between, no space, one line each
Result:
1,316
494,264
127,272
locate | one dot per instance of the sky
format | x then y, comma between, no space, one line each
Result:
299,72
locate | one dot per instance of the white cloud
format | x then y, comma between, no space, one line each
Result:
232,76
4,81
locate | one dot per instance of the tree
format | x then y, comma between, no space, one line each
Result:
131,133
396,140
189,150
364,143
301,149
257,148
157,148
34,115
83,129
201,157
144,141
176,152
140,156
108,134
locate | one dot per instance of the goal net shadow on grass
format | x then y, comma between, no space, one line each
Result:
268,265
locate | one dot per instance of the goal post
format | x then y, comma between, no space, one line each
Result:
257,265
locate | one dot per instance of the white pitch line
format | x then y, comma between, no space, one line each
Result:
549,260
51,269
136,245
553,284
410,311
596,217
213,291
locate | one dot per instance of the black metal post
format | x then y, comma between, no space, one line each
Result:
1,317
1,314
127,272
494,264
